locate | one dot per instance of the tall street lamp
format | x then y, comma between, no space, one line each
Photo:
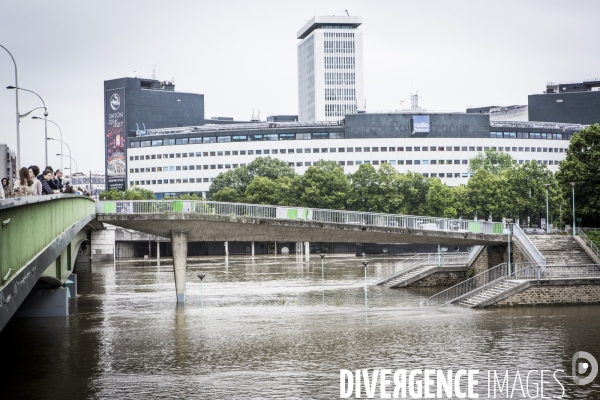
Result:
68,147
365,263
61,141
509,223
323,277
201,276
64,155
573,196
547,220
17,104
45,115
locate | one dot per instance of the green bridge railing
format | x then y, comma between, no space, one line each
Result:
30,224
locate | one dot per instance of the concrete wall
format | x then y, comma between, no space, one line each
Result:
492,256
440,279
565,291
103,245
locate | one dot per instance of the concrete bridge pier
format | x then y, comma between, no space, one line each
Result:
252,249
179,245
226,248
307,250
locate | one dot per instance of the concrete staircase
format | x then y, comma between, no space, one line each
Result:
560,250
495,292
407,277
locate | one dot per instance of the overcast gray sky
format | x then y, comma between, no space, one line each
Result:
242,55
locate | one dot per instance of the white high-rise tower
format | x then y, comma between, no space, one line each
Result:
330,70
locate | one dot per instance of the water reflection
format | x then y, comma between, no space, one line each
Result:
265,333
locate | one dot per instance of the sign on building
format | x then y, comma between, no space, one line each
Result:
420,124
115,136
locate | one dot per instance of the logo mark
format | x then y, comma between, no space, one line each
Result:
115,101
580,368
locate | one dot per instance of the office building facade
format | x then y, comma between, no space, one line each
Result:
133,105
186,160
330,68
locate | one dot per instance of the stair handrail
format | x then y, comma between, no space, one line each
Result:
529,272
588,241
529,246
471,285
475,251
432,258
395,264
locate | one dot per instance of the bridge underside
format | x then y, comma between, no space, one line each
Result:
203,227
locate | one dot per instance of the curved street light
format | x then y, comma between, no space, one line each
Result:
45,115
70,158
61,141
64,155
17,105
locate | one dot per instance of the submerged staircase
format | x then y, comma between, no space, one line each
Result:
424,267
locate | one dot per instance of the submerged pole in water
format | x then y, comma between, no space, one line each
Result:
201,276
323,277
365,263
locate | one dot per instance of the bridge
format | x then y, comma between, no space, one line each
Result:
40,236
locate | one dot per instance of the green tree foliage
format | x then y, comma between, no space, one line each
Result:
440,200
240,178
528,191
462,203
489,193
133,193
263,190
414,187
582,165
228,195
375,190
324,185
493,161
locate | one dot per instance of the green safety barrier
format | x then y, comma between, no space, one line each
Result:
110,207
178,206
305,212
474,227
497,227
292,213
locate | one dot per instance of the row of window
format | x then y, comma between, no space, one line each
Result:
338,46
337,34
339,110
339,78
341,150
340,94
531,135
339,62
237,138
310,163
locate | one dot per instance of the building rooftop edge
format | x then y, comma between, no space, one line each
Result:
316,22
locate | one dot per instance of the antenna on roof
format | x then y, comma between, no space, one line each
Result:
153,71
347,13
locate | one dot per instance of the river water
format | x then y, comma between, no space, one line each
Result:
265,328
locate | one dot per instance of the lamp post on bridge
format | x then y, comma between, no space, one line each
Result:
17,88
509,223
547,220
17,105
61,138
573,196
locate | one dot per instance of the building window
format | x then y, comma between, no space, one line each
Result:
350,163
408,162
315,150
349,149
465,161
375,162
307,163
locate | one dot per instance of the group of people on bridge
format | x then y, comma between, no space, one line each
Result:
33,183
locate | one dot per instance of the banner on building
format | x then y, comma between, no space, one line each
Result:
420,124
116,163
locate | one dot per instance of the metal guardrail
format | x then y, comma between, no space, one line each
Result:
432,259
588,241
474,253
572,271
298,213
529,247
470,285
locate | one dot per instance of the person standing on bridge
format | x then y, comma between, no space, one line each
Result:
34,170
6,188
48,176
25,185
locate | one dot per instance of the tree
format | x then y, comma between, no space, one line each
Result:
228,195
528,191
324,185
493,161
363,188
240,178
462,202
133,193
414,188
263,190
440,200
489,194
582,165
